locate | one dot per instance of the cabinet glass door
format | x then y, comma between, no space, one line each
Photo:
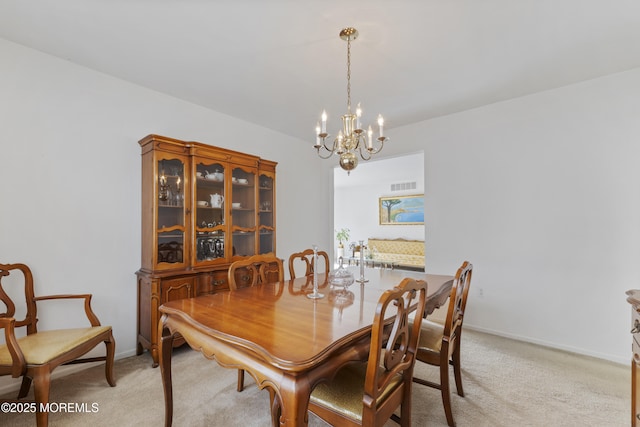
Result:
210,209
243,212
170,214
266,213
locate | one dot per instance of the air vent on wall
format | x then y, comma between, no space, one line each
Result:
402,186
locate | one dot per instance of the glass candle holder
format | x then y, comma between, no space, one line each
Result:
315,294
362,278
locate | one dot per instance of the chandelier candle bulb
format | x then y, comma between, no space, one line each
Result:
324,121
317,135
370,139
358,115
381,125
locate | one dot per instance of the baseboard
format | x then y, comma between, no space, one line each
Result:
554,346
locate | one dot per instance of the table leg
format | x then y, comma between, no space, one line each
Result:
166,349
275,407
294,392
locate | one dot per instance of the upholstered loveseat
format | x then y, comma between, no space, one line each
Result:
404,253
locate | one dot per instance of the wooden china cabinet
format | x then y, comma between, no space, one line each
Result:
203,207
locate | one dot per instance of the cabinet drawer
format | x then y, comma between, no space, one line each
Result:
215,281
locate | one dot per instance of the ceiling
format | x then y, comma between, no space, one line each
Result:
278,63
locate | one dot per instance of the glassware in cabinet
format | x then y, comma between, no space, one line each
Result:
210,211
266,213
243,212
170,213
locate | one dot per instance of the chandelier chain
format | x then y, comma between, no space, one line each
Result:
349,75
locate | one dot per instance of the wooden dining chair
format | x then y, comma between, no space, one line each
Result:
368,393
255,269
35,355
439,344
306,257
252,271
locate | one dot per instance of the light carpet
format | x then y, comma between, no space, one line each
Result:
506,383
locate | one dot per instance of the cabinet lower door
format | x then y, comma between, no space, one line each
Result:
152,293
171,290
177,288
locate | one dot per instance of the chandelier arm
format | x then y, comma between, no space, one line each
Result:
330,151
377,150
324,157
334,148
365,154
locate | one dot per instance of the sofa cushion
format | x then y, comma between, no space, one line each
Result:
403,252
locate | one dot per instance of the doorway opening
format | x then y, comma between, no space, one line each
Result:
356,199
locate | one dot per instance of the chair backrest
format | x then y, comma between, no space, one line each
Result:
255,269
31,316
457,304
306,257
393,348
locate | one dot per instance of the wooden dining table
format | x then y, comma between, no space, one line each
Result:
285,340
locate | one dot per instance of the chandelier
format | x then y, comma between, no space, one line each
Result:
351,140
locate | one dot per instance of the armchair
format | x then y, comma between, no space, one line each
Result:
35,355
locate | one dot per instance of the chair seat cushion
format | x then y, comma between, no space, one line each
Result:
431,336
344,394
44,346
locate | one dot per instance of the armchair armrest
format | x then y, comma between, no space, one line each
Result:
18,361
87,304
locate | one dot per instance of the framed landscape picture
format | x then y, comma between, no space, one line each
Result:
402,210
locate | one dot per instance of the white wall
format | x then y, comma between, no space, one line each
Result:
70,173
541,194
